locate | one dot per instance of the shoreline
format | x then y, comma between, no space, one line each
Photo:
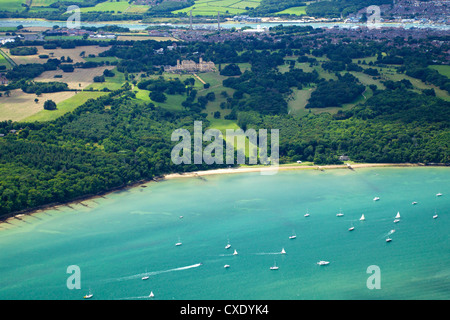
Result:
287,167
199,174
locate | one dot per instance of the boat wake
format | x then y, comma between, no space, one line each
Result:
154,273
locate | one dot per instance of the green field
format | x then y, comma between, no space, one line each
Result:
294,10
116,7
211,7
442,69
64,106
12,5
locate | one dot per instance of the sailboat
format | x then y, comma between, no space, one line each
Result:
362,218
178,243
340,214
388,240
376,198
293,236
235,252
274,267
89,295
435,215
282,251
397,217
226,266
145,277
151,295
351,228
307,213
414,202
323,263
228,246
438,194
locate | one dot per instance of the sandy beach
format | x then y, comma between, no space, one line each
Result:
273,170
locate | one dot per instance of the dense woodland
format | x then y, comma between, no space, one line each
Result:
117,139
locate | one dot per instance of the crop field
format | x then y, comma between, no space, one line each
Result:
20,105
211,7
74,54
64,106
78,79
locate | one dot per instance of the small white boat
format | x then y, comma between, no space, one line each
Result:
145,277
228,246
414,202
89,295
362,218
396,220
292,237
282,251
178,244
435,216
235,252
307,213
376,198
323,263
388,240
226,266
274,267
351,228
181,217
438,194
340,214
151,295
398,215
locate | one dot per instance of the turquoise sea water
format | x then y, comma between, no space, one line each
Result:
126,235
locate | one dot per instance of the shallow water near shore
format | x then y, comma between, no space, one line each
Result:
118,239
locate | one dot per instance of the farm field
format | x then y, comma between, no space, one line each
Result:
20,105
78,79
116,7
294,10
12,5
74,54
211,7
64,106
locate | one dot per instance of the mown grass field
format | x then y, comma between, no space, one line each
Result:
211,7
298,11
12,5
116,7
442,69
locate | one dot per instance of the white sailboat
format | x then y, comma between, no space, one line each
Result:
414,202
388,240
362,218
151,295
293,236
340,214
235,252
435,215
228,246
178,243
307,213
397,217
438,194
282,251
145,277
376,198
323,263
89,295
226,266
351,228
274,267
